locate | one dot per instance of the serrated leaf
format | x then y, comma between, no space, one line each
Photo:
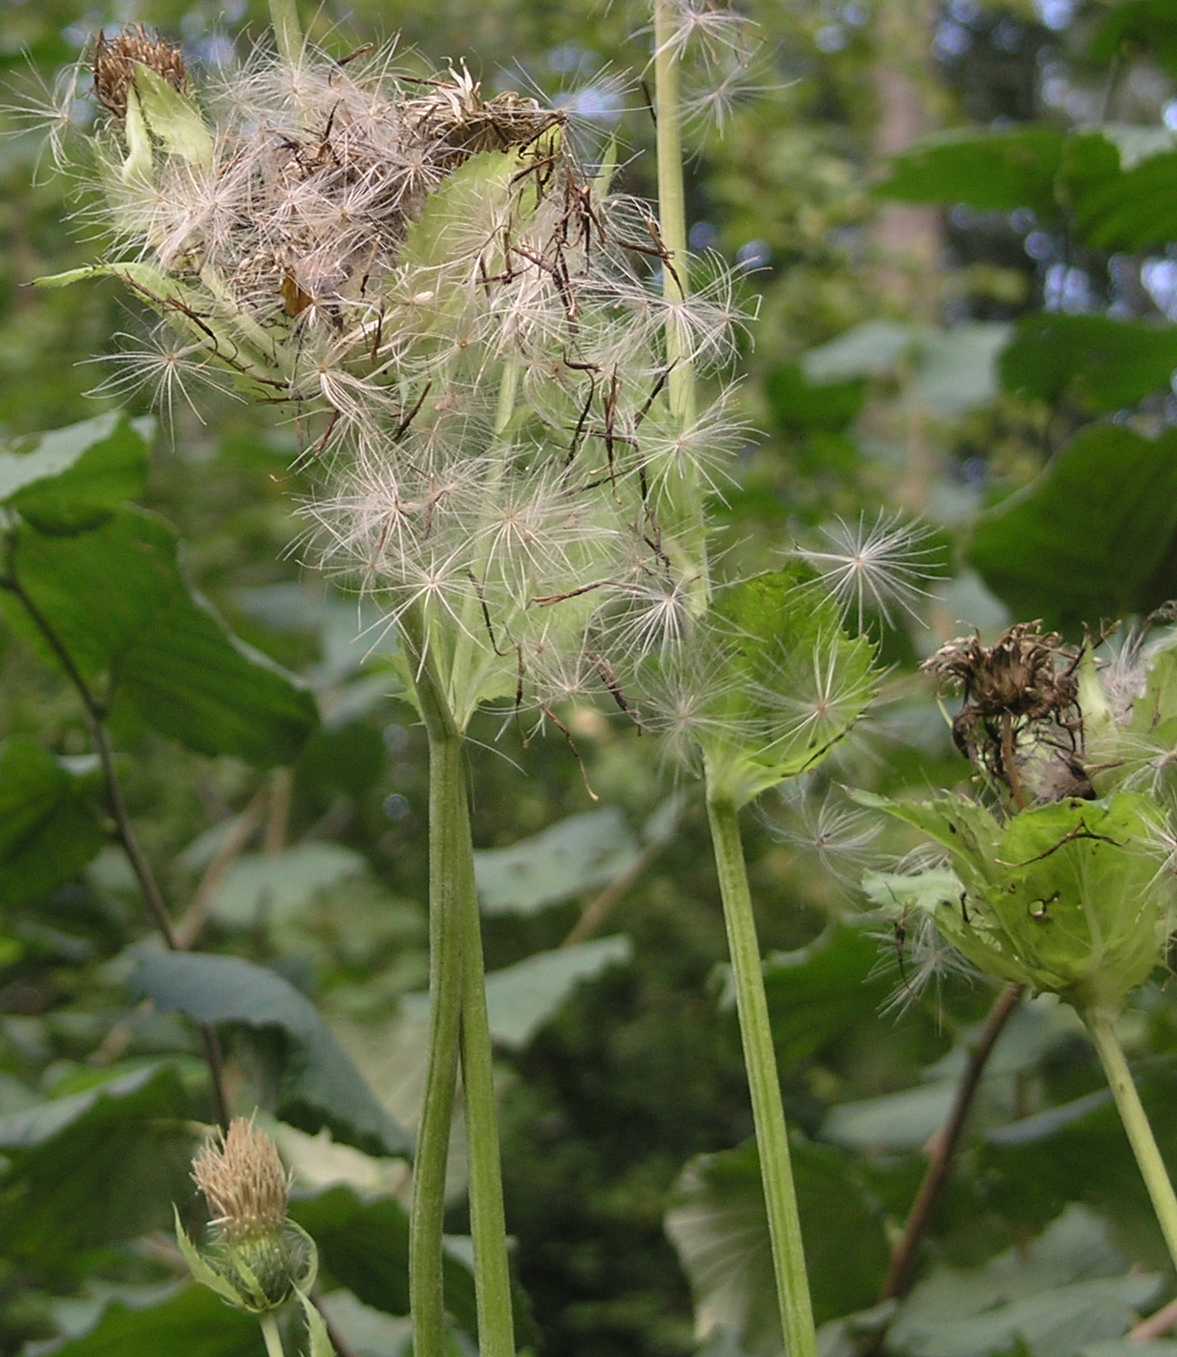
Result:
200,1270
578,854
319,1342
70,478
317,1083
50,823
95,1167
1095,362
118,601
1058,549
792,683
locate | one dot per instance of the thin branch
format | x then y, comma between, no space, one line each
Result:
596,913
940,1163
124,829
1156,1325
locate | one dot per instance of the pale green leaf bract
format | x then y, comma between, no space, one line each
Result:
319,1342
138,161
200,1270
792,683
172,118
318,1085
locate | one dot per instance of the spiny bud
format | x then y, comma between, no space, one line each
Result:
256,1257
115,60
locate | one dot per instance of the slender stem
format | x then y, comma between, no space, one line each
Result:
124,827
272,1336
940,1161
768,1112
686,504
287,30
488,1226
1101,1024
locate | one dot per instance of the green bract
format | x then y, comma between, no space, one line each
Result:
1069,898
257,1273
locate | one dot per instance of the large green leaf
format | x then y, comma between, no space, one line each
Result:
72,477
1136,27
1097,363
1042,168
317,1083
581,853
522,997
1092,537
719,1226
118,601
95,1167
1135,210
189,1320
814,995
272,887
50,825
1065,1289
364,1245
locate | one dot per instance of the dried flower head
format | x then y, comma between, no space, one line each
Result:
115,60
241,1176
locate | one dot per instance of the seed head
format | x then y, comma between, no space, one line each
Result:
115,60
243,1181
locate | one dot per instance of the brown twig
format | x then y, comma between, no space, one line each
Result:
190,924
944,1148
124,829
1156,1325
596,913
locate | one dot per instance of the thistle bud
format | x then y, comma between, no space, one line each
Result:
115,60
256,1257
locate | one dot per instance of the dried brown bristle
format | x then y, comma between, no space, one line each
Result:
115,60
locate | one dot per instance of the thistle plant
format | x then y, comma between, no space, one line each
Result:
255,1257
1059,878
494,360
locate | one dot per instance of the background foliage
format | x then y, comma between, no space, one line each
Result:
964,219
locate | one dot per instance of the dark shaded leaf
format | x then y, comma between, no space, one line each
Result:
1137,28
95,1167
318,1083
1090,537
50,825
117,599
70,478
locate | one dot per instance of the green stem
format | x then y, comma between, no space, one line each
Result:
287,30
488,1226
272,1336
1136,1124
768,1112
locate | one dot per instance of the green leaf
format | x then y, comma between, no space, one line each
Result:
794,683
95,1167
522,997
200,1270
1091,537
1095,362
50,827
173,118
816,994
1135,28
189,1321
262,887
70,478
139,159
317,1083
363,1244
582,853
719,1227
319,1340
1065,1289
1135,210
468,194
117,599
1038,167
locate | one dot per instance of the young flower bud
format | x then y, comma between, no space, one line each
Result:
256,1257
115,60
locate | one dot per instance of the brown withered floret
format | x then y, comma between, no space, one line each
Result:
1022,691
115,60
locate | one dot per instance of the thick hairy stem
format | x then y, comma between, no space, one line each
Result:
272,1336
124,827
768,1112
940,1160
1152,1167
458,1015
488,1227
